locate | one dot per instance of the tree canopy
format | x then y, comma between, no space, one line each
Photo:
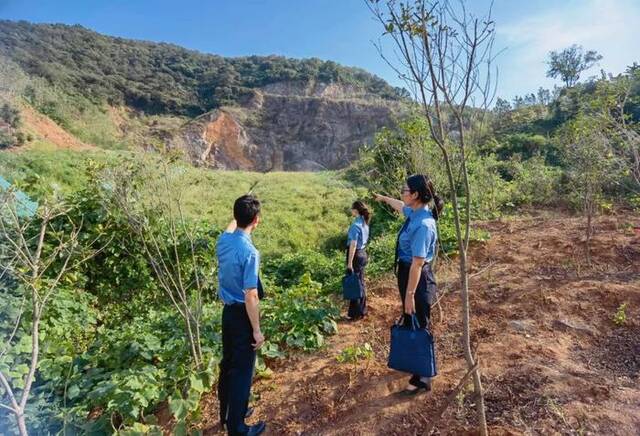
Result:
159,77
569,63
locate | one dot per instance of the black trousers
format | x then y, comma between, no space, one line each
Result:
236,368
425,296
358,307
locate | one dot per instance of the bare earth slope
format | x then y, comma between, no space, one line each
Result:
42,127
553,361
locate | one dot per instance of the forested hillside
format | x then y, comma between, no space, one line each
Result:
260,113
159,78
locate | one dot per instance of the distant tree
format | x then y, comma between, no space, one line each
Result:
10,115
518,102
530,100
502,106
591,165
544,96
570,63
610,104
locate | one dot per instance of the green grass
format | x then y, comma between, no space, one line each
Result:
42,168
300,210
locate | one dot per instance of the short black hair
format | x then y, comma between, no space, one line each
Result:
245,209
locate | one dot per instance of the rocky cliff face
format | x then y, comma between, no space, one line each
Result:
287,126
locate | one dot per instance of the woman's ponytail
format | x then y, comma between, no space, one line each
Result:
363,210
438,205
423,185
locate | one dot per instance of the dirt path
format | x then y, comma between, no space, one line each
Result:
553,361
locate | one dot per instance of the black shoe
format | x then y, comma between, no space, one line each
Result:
223,424
415,381
420,386
249,412
257,428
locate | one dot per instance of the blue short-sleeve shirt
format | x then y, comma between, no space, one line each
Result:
238,265
418,238
359,232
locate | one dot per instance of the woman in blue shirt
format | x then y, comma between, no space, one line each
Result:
415,249
357,239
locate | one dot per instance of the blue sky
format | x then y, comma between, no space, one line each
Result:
343,30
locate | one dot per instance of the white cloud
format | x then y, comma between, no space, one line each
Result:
608,26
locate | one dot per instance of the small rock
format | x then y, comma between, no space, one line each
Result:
523,325
565,325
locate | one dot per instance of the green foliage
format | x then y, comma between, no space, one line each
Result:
288,269
396,154
355,353
381,249
40,172
524,146
10,115
620,317
588,156
301,211
7,140
570,63
300,316
155,77
113,348
534,183
10,122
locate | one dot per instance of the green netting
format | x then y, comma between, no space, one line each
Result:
24,205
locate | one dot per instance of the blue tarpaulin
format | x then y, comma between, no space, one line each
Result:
24,205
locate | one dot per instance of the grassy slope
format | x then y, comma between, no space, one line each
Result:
300,210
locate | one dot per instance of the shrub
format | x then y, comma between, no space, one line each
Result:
535,183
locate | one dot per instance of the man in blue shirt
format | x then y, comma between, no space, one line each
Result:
238,265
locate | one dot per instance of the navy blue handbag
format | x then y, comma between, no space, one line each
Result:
412,349
351,288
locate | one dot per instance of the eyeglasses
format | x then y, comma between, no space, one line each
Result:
403,190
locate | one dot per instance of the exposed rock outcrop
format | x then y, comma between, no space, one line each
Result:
287,126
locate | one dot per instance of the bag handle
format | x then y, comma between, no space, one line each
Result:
415,325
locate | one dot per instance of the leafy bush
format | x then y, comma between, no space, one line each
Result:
620,317
524,146
355,353
396,154
535,182
300,316
288,269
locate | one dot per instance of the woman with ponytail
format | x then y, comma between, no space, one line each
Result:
415,249
357,238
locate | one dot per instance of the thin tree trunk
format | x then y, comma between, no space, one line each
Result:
466,326
192,342
589,231
22,423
